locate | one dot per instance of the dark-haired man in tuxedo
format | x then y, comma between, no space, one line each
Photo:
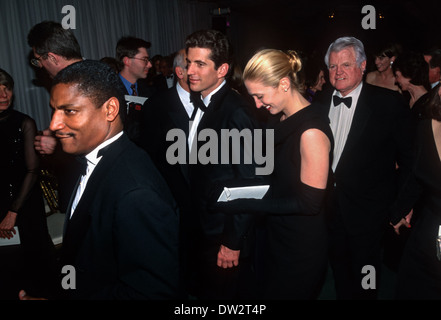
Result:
225,240
121,228
372,136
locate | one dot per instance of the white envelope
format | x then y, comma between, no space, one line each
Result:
10,242
253,192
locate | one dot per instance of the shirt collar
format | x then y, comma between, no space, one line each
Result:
207,99
185,95
128,84
92,157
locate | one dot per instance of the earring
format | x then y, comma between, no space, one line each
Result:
286,89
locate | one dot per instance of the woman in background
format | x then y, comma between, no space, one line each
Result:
412,75
21,201
314,78
384,60
419,275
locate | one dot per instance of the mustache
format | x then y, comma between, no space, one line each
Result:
64,134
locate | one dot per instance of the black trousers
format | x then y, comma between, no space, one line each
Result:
355,261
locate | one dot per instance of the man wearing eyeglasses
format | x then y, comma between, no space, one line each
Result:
54,47
135,63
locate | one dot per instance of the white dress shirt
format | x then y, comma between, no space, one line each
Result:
92,161
185,99
341,120
199,114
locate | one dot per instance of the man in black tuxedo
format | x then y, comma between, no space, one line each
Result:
372,136
133,57
166,78
121,229
225,240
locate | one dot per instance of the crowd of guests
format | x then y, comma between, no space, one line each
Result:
356,155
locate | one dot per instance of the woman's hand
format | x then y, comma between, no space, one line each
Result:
7,225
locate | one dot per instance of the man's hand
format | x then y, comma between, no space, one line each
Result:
403,222
45,143
227,258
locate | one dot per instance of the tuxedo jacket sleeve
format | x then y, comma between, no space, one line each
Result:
227,110
366,178
123,236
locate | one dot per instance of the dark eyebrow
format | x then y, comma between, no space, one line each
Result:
196,61
63,107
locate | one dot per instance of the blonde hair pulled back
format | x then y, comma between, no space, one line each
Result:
269,66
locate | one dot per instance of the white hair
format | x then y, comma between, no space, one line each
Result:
347,42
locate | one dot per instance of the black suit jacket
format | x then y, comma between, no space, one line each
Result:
227,110
366,179
123,236
160,114
132,121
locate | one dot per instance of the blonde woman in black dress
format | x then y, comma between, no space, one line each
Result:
296,254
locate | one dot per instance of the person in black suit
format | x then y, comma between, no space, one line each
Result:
121,229
372,137
225,240
166,78
165,111
133,57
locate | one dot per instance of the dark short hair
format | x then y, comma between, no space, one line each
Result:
214,40
6,80
129,47
95,80
389,50
50,36
413,66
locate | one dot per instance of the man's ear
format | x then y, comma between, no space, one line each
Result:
112,109
222,71
54,58
179,72
126,61
363,66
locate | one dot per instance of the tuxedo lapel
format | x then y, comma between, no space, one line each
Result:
361,118
69,207
77,226
215,103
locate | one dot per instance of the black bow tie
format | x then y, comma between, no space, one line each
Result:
197,103
347,101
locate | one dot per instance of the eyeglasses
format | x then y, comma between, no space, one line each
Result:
146,59
36,61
